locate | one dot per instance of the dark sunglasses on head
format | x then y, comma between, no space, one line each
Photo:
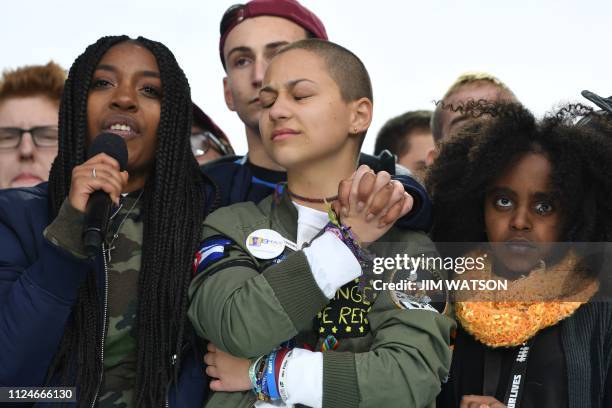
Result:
201,142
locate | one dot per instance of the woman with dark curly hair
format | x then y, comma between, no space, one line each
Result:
114,326
522,184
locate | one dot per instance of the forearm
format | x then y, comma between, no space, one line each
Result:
402,372
369,379
66,231
408,359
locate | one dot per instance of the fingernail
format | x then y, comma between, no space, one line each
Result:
369,217
345,211
360,206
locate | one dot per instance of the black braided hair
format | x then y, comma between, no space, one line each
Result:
174,207
471,160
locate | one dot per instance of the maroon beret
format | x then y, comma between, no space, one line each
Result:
287,9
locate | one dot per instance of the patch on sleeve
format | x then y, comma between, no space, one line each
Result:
211,250
421,290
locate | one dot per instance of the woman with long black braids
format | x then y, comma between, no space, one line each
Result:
114,327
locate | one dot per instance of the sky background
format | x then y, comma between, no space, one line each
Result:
545,51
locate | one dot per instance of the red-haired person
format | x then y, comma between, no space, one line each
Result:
29,105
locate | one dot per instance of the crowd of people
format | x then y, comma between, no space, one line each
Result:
231,280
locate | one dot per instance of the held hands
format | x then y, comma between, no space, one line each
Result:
480,401
101,172
228,373
371,203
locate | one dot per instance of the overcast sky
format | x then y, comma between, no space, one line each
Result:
546,51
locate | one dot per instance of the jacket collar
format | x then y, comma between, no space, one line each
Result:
284,214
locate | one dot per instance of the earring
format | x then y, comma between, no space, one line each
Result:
354,130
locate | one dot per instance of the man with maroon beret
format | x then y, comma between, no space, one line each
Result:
251,33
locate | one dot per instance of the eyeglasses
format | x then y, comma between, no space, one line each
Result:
202,142
43,136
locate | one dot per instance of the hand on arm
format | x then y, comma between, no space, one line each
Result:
228,373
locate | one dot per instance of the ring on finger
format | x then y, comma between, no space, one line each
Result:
93,172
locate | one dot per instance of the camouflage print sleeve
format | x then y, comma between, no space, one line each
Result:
66,230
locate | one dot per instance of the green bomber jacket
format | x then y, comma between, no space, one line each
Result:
387,355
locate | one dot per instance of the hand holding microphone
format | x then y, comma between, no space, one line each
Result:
96,184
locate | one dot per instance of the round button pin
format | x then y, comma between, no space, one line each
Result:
265,244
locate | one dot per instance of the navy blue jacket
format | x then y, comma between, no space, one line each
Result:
38,287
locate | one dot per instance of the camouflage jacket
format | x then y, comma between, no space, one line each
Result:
124,240
123,262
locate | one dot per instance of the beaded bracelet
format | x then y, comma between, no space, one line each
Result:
344,233
261,385
263,394
253,368
364,257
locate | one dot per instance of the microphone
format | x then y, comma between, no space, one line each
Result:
98,210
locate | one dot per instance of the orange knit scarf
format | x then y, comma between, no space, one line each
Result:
559,291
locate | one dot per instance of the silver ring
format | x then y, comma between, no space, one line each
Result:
93,172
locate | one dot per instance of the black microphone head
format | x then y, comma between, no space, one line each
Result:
111,144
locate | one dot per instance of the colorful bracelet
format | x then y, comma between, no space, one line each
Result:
280,355
270,379
253,368
261,381
265,373
282,377
263,394
344,233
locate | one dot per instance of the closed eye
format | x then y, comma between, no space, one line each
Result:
266,100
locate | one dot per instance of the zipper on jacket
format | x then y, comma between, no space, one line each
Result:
93,402
173,362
